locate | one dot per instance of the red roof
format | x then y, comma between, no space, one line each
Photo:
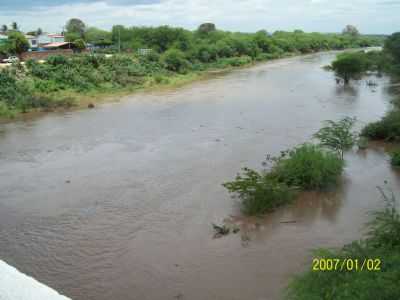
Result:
56,45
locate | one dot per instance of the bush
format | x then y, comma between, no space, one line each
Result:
308,167
5,111
175,60
395,158
233,61
386,129
337,135
259,193
55,60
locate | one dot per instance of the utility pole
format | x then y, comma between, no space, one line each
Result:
119,39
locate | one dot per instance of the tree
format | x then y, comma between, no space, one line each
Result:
206,28
39,31
4,28
76,27
14,26
98,37
80,44
17,42
72,36
392,46
351,30
349,66
337,135
263,41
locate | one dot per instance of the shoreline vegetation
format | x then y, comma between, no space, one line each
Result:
312,166
369,268
173,57
366,269
340,273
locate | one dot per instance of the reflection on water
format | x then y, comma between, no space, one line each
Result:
117,202
348,91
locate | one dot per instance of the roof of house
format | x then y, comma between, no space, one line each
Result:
56,45
56,35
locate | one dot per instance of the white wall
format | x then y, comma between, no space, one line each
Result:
15,285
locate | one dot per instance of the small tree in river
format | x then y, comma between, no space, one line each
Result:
349,66
337,136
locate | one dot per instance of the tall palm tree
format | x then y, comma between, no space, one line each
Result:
14,26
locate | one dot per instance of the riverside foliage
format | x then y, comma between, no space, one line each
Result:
382,242
353,65
337,136
175,52
306,167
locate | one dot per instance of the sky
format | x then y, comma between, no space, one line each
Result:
369,16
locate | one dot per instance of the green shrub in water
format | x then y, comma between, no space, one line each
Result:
337,136
308,167
395,158
305,167
259,193
388,128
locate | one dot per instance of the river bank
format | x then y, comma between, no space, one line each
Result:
79,100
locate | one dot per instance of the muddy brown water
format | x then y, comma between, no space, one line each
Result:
117,202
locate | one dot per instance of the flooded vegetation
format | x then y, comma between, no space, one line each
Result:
117,202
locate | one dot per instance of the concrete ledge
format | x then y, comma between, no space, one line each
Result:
15,285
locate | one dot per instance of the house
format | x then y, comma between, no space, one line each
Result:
32,40
56,38
38,42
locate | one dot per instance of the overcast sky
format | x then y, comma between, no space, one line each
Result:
370,16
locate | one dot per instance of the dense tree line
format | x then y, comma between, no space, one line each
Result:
170,53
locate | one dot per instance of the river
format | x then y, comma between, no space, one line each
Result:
117,202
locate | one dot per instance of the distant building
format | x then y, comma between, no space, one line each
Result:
56,38
39,42
32,40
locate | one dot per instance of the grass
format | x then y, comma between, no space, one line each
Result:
382,243
306,167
